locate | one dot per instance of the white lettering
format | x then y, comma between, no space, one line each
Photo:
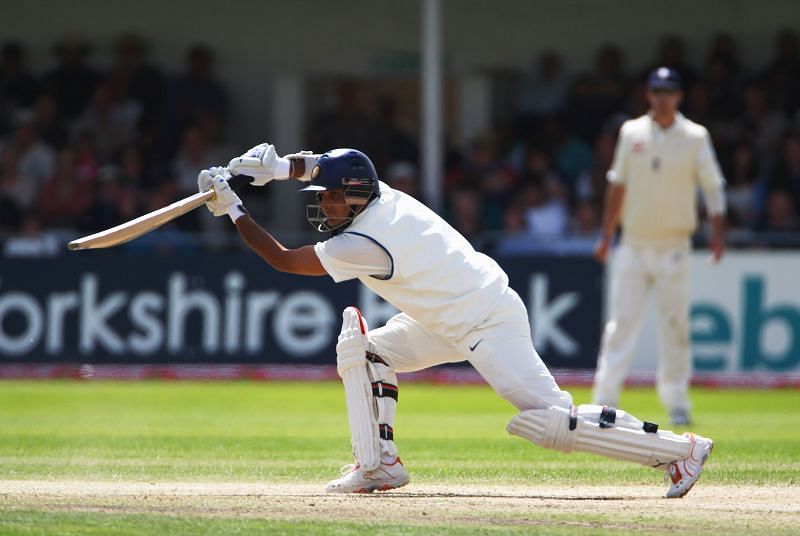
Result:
57,306
94,316
234,283
258,304
143,310
34,323
181,304
544,317
302,323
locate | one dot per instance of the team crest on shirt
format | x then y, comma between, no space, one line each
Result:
638,147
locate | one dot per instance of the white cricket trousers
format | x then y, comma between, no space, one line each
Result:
635,273
500,349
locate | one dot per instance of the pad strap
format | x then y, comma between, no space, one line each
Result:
381,389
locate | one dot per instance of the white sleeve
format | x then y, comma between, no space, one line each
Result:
618,174
347,256
710,177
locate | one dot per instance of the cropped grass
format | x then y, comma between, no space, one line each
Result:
297,432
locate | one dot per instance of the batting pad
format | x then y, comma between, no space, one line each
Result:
351,363
565,430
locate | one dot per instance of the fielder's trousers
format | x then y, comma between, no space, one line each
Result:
636,272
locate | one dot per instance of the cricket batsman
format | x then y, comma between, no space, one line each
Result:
455,305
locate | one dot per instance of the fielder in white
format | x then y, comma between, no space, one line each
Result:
660,159
456,305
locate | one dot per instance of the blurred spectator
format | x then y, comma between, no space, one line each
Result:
35,160
136,78
571,155
781,215
48,123
465,212
86,161
542,93
741,188
398,140
65,197
18,87
109,120
402,176
16,190
195,153
722,78
786,174
196,93
546,209
72,81
758,124
108,207
608,80
346,125
782,76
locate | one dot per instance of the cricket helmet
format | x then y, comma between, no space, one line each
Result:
350,171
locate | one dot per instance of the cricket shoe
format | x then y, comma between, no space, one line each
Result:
356,480
684,473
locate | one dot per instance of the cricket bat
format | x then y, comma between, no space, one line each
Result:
142,225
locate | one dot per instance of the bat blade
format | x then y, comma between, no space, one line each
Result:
142,225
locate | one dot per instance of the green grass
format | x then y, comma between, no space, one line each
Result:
297,432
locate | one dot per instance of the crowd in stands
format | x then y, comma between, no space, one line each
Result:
85,149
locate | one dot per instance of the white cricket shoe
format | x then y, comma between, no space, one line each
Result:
356,480
684,473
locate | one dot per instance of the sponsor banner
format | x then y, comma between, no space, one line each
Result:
745,316
98,308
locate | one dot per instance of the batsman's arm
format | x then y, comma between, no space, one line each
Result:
301,261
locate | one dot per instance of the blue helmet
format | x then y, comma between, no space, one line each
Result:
348,170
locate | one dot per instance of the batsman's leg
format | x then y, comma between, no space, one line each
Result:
370,387
616,434
402,345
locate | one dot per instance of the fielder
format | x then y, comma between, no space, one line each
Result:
456,305
659,161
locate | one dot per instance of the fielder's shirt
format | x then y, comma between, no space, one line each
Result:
661,169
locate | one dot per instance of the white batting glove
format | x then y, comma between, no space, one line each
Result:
261,163
226,201
304,162
205,178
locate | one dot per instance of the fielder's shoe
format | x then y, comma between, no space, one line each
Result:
356,480
680,417
684,473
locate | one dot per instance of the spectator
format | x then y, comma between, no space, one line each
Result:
608,80
109,120
543,92
35,160
65,197
136,78
346,125
546,211
195,153
107,209
781,215
758,124
72,81
741,188
402,176
18,87
782,76
466,212
196,93
786,174
48,123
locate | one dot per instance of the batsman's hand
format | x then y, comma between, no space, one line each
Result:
205,178
225,198
261,163
302,164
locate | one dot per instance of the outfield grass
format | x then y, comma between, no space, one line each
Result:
297,432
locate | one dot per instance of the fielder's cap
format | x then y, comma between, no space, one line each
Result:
664,78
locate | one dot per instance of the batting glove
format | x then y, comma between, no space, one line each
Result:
262,164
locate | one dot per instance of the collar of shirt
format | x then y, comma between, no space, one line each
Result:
679,119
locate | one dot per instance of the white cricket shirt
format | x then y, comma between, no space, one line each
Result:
434,274
661,169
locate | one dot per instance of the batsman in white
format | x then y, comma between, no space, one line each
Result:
661,158
456,305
